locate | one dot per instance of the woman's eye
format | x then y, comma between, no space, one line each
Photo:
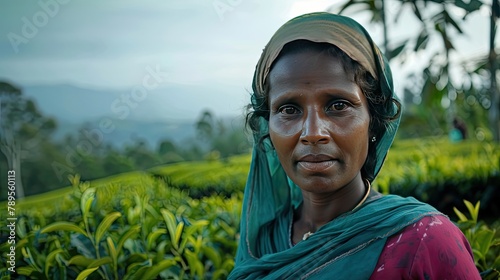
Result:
338,106
288,110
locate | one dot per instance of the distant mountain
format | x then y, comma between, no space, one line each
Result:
163,113
71,104
173,102
122,132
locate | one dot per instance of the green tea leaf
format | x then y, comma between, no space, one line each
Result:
105,224
197,225
153,211
496,263
220,274
153,272
471,209
112,249
62,268
127,235
477,255
86,201
74,179
100,262
195,265
229,230
476,210
178,233
138,259
49,261
170,222
25,270
484,239
460,215
63,226
228,264
212,255
138,272
84,274
80,260
21,243
137,269
154,235
4,247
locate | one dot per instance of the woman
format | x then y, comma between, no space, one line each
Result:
324,116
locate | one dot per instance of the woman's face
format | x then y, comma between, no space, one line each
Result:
318,121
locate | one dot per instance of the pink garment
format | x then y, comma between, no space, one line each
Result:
432,248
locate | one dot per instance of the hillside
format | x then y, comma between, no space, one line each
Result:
169,112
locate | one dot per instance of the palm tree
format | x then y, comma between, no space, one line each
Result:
205,126
494,117
438,22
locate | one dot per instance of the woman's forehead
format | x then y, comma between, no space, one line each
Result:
311,73
307,63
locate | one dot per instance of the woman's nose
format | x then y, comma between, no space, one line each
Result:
315,129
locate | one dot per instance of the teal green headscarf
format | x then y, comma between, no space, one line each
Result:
349,246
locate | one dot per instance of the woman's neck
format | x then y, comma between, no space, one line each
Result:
319,209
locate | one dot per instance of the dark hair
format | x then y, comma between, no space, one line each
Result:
380,106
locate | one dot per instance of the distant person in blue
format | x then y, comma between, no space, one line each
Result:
459,131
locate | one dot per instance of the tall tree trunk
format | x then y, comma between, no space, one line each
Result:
492,58
13,154
384,26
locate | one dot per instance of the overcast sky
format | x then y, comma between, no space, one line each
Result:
110,44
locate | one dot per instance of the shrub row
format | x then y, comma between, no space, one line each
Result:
127,232
433,170
444,174
201,179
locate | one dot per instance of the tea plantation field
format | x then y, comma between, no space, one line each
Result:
180,221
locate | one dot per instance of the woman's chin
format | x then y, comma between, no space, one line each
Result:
317,184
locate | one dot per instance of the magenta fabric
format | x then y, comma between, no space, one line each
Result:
432,248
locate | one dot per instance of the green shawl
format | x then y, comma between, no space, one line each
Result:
348,245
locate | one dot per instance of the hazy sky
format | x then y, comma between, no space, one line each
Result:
214,44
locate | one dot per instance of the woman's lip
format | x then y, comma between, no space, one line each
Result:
316,166
315,158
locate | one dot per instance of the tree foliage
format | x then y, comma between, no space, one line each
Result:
434,97
23,128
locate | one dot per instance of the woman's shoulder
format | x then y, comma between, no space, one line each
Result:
431,248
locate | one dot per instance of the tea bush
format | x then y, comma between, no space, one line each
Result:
443,173
484,240
180,221
200,179
137,233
